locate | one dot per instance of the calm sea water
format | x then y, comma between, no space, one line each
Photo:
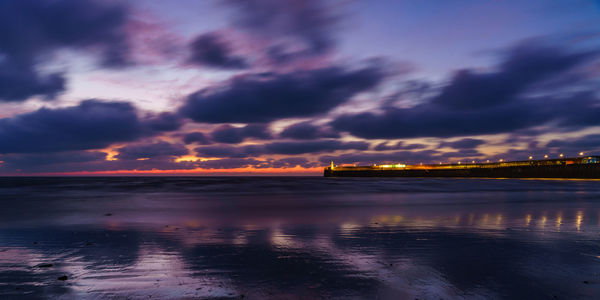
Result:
298,238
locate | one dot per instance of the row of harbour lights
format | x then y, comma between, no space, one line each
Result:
530,158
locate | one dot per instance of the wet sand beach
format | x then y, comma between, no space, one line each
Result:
298,238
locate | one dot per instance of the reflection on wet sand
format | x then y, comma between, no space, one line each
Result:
387,246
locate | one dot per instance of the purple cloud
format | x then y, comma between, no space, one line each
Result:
296,29
31,29
467,143
282,148
385,146
487,103
159,149
196,137
308,131
260,98
233,135
92,124
211,50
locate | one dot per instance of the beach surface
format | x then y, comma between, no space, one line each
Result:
298,238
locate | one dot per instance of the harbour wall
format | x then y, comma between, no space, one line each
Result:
581,171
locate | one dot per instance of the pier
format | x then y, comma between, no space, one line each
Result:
577,167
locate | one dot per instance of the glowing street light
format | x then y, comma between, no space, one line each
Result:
501,160
530,157
487,161
546,156
581,153
561,155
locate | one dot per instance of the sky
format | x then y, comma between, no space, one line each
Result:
277,87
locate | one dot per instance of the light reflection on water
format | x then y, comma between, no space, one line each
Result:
503,239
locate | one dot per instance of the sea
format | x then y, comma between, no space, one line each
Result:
298,238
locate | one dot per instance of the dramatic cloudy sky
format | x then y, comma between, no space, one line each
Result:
285,86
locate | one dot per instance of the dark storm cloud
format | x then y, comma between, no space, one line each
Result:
50,162
487,103
267,97
92,124
31,30
165,121
431,121
232,163
282,148
398,146
84,161
467,143
572,146
196,137
212,51
521,67
33,160
229,163
160,149
19,82
233,135
582,109
308,131
302,147
228,151
465,154
296,29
